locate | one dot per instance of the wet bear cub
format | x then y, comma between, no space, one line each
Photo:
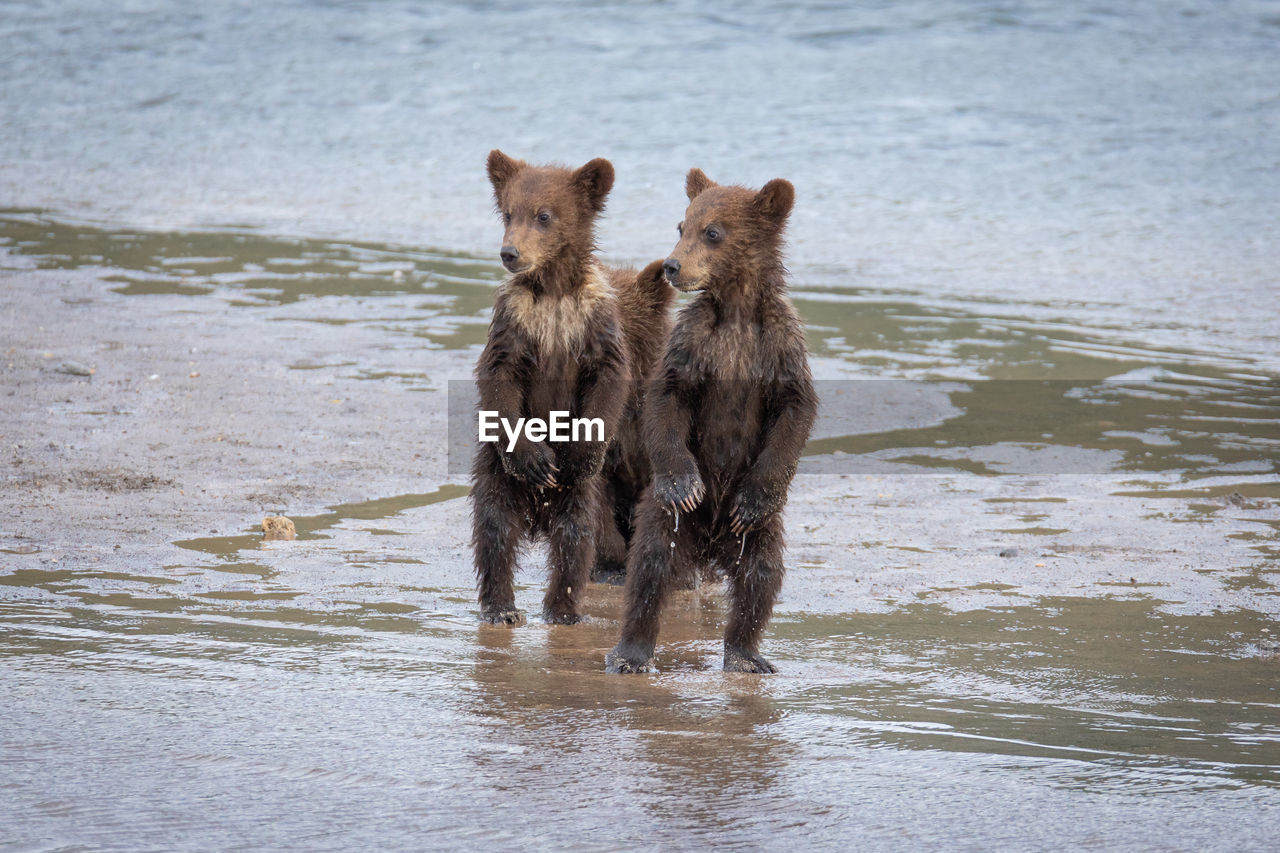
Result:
558,342
644,301
725,418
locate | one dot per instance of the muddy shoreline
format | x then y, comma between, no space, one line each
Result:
1069,643
192,422
202,416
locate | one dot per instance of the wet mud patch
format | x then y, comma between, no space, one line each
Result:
1115,684
112,480
1062,699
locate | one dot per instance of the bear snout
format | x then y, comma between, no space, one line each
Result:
510,258
671,269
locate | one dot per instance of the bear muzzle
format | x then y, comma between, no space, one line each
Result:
511,259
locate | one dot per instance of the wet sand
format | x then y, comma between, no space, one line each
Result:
202,415
1087,639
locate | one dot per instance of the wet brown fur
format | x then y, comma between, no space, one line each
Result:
725,419
557,341
644,302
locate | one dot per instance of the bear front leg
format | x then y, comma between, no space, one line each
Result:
755,578
656,549
497,525
572,537
791,409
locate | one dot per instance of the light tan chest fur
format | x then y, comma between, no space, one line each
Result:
558,322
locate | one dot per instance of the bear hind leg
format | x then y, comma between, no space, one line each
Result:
497,527
611,547
573,551
656,549
755,578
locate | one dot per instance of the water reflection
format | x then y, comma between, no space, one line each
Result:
451,292
402,690
679,748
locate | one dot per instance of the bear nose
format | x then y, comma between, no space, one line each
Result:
671,267
509,255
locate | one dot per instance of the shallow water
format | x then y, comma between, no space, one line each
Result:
310,695
1116,160
1031,600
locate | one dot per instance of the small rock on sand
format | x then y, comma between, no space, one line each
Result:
278,527
75,368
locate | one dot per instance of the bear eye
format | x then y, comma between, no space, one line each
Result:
544,217
506,218
713,234
680,228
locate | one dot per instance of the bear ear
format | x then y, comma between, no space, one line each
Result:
595,179
775,199
501,170
695,182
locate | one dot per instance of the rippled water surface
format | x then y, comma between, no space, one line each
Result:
1031,600
1119,157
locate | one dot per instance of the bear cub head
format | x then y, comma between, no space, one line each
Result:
548,212
729,234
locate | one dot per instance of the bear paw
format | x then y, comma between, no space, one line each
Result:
531,462
629,658
681,492
737,659
556,617
514,618
750,507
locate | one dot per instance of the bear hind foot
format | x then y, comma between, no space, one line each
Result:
629,658
512,617
737,659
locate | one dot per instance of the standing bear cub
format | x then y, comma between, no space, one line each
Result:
725,418
562,339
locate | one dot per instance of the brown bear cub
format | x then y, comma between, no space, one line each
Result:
559,341
726,416
644,301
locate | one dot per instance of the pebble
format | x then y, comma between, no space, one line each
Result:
75,368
